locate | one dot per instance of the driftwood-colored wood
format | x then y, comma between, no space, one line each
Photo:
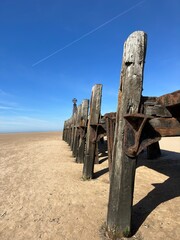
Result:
69,131
95,112
169,99
73,129
64,131
82,130
110,119
123,169
166,127
76,131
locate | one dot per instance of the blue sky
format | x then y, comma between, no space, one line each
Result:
37,96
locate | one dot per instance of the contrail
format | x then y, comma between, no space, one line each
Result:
89,33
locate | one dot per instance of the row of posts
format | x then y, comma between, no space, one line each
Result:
80,131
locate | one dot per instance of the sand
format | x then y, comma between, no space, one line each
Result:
44,197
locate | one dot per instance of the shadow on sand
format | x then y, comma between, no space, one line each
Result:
100,173
168,164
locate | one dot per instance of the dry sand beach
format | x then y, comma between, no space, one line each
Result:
44,197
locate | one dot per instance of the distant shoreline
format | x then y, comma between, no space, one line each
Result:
26,132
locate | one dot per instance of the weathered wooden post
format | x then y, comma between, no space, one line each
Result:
95,109
123,169
82,131
64,131
74,106
73,126
69,132
76,131
110,129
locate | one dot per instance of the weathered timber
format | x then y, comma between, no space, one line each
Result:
166,127
76,131
170,99
94,116
123,167
167,105
64,131
110,129
73,129
69,131
157,110
100,133
74,105
82,131
172,103
149,107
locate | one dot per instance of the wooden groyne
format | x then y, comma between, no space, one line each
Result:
138,124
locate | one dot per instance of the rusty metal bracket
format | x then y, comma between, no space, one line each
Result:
98,132
138,134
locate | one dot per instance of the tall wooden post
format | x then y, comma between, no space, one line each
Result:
73,126
95,109
83,126
69,131
74,105
64,131
123,169
76,133
110,129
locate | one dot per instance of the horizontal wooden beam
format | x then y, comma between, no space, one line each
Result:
169,99
166,127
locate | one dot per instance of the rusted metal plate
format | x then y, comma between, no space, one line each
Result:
146,130
134,128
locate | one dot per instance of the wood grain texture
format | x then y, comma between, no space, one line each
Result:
123,169
95,112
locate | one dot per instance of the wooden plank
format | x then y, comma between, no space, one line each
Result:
157,110
166,127
95,111
83,126
123,168
169,99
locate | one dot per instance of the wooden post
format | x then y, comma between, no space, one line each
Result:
76,133
95,109
64,131
110,129
73,126
83,126
69,132
123,168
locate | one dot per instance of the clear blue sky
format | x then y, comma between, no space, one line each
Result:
38,96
